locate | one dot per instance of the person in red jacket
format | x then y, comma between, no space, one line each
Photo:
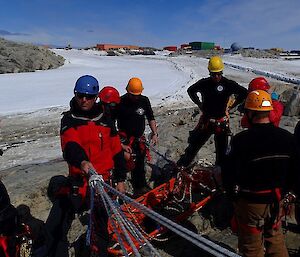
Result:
110,99
260,83
87,143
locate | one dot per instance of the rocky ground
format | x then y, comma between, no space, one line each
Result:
31,140
18,57
254,53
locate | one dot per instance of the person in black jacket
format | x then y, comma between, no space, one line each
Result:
216,92
297,134
262,167
297,205
8,224
134,108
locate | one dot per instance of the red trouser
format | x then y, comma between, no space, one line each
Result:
257,236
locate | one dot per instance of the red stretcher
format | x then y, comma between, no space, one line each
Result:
189,191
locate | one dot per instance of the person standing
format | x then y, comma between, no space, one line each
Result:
260,169
215,91
297,133
260,83
87,143
134,109
110,100
8,224
297,138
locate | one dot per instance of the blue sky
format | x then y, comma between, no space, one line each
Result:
158,23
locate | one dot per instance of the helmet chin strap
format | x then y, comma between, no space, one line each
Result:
250,117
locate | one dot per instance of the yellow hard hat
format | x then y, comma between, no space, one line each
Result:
215,64
259,100
134,86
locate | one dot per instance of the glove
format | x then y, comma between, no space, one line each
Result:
274,96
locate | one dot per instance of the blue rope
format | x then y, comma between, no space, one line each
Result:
89,230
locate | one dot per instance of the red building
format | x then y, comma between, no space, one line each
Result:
171,48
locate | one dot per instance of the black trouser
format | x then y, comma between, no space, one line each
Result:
138,174
59,223
197,139
8,229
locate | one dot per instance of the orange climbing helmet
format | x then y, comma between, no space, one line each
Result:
135,86
259,100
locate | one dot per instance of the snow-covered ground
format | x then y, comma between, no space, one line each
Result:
165,78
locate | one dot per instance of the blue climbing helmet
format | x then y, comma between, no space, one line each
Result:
87,84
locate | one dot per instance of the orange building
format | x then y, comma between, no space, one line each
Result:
171,48
106,47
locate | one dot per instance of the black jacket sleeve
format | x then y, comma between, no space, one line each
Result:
192,92
297,134
229,169
74,154
4,198
240,93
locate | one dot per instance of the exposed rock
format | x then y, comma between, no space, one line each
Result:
291,100
255,53
20,57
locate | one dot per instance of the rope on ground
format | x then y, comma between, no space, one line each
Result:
196,239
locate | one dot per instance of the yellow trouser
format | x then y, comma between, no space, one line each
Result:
256,236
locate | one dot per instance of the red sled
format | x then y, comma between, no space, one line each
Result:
176,199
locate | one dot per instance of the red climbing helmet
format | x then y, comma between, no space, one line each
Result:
259,83
109,95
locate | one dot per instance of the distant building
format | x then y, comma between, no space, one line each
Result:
106,47
202,45
277,49
185,46
235,47
171,48
295,52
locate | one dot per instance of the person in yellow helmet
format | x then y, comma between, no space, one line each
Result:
260,169
216,92
134,109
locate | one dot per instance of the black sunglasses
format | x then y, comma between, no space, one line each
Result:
87,96
214,74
